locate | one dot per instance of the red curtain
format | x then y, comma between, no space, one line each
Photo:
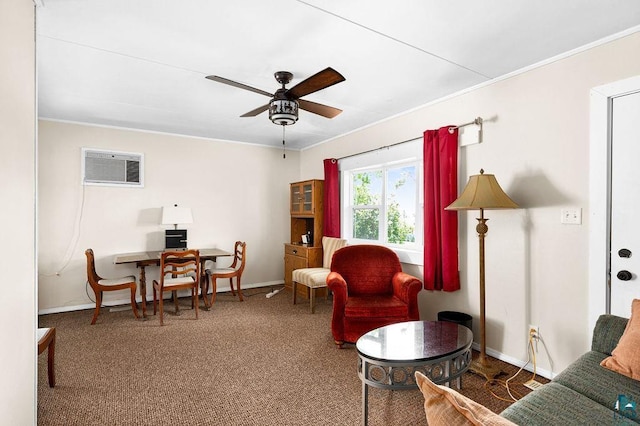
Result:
440,226
331,198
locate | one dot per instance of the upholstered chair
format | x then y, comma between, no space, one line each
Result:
47,340
233,271
369,291
316,278
100,285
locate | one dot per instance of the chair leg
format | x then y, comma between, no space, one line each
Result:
134,305
233,293
161,303
204,289
96,312
294,287
214,290
194,298
51,353
312,299
239,290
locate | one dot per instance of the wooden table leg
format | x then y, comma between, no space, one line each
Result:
203,284
143,291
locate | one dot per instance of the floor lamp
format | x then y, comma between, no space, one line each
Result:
482,193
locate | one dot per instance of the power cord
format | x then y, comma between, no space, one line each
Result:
531,357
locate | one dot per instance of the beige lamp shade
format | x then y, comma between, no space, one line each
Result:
173,215
482,192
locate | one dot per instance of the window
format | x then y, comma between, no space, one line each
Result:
382,199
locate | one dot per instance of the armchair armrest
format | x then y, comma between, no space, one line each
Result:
406,288
338,286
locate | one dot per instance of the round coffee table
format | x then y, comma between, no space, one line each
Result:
389,356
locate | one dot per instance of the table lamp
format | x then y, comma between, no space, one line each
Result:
482,193
173,215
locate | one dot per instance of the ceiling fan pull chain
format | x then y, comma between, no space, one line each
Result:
284,155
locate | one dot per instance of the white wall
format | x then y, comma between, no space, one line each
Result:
17,192
235,191
536,142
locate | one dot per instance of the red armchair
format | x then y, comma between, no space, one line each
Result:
369,291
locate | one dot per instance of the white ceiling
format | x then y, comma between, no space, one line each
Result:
142,63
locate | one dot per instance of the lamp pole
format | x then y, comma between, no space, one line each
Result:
482,366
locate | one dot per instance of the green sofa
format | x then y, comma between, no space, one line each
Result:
585,393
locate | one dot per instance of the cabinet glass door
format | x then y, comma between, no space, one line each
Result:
296,197
308,198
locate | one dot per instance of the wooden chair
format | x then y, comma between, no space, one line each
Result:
234,270
47,340
178,270
316,278
99,284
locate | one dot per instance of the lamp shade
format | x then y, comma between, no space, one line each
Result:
172,215
482,192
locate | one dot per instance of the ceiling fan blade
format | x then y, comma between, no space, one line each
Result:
323,110
256,111
323,79
236,84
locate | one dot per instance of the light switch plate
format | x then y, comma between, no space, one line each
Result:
571,216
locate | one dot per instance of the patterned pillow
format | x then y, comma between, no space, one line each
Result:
625,358
446,407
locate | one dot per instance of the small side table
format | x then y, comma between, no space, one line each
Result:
389,356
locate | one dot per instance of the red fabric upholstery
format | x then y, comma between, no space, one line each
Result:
369,291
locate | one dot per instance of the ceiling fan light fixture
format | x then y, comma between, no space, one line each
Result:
283,111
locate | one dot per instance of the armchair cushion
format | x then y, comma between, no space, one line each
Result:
376,306
311,277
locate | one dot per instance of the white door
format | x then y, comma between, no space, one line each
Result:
625,203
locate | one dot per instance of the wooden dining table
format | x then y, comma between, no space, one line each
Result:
152,258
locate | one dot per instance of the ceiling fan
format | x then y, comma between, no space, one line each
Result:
284,104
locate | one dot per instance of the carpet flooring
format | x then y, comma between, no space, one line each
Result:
258,362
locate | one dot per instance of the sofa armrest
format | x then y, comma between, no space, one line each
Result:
607,333
406,288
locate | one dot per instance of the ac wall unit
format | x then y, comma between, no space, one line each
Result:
112,168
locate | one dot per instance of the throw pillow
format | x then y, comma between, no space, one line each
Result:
446,407
625,358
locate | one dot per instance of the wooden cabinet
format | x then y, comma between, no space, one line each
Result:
298,256
306,198
306,211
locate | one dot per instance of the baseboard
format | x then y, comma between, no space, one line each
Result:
517,362
113,303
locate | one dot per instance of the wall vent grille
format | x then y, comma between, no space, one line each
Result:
112,168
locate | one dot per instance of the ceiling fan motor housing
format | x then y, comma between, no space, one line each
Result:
283,111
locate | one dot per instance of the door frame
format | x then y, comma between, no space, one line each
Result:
600,193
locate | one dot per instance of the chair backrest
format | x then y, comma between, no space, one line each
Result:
239,253
179,263
329,246
367,269
92,275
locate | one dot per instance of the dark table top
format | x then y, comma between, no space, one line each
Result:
414,341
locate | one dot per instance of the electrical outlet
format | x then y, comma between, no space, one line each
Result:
534,332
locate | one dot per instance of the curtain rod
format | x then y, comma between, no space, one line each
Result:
477,122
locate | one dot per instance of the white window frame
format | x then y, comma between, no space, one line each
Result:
408,153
